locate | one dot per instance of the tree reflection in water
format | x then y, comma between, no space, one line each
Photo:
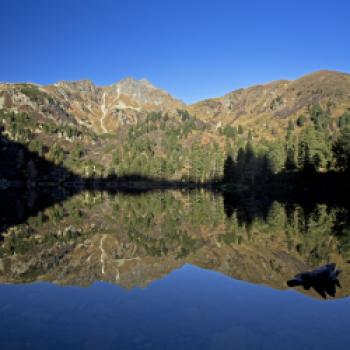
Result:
146,235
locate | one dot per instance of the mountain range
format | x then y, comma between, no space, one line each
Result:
106,108
132,127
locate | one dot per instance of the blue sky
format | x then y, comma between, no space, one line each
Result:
193,49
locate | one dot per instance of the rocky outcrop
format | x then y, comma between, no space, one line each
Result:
102,109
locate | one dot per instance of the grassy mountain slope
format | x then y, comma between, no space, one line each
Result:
269,107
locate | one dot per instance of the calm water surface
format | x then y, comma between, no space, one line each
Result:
171,271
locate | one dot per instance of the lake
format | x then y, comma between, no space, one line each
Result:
170,270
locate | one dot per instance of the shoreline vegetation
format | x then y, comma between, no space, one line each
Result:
294,185
245,173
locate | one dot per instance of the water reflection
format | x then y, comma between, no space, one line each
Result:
134,240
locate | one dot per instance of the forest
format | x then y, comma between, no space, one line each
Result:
184,148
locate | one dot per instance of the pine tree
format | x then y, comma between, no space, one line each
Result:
229,169
308,165
290,160
341,150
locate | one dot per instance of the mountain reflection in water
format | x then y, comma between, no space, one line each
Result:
170,270
134,240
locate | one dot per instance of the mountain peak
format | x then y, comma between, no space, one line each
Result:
324,74
141,90
132,82
81,85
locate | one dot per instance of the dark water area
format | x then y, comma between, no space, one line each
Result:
170,270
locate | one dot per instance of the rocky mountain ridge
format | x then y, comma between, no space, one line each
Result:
273,104
107,108
102,109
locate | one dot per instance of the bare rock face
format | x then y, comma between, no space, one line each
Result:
124,102
141,92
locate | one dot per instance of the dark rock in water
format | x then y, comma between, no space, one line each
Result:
323,280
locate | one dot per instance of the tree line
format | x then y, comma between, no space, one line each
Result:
315,143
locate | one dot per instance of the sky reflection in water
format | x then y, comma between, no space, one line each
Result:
191,308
